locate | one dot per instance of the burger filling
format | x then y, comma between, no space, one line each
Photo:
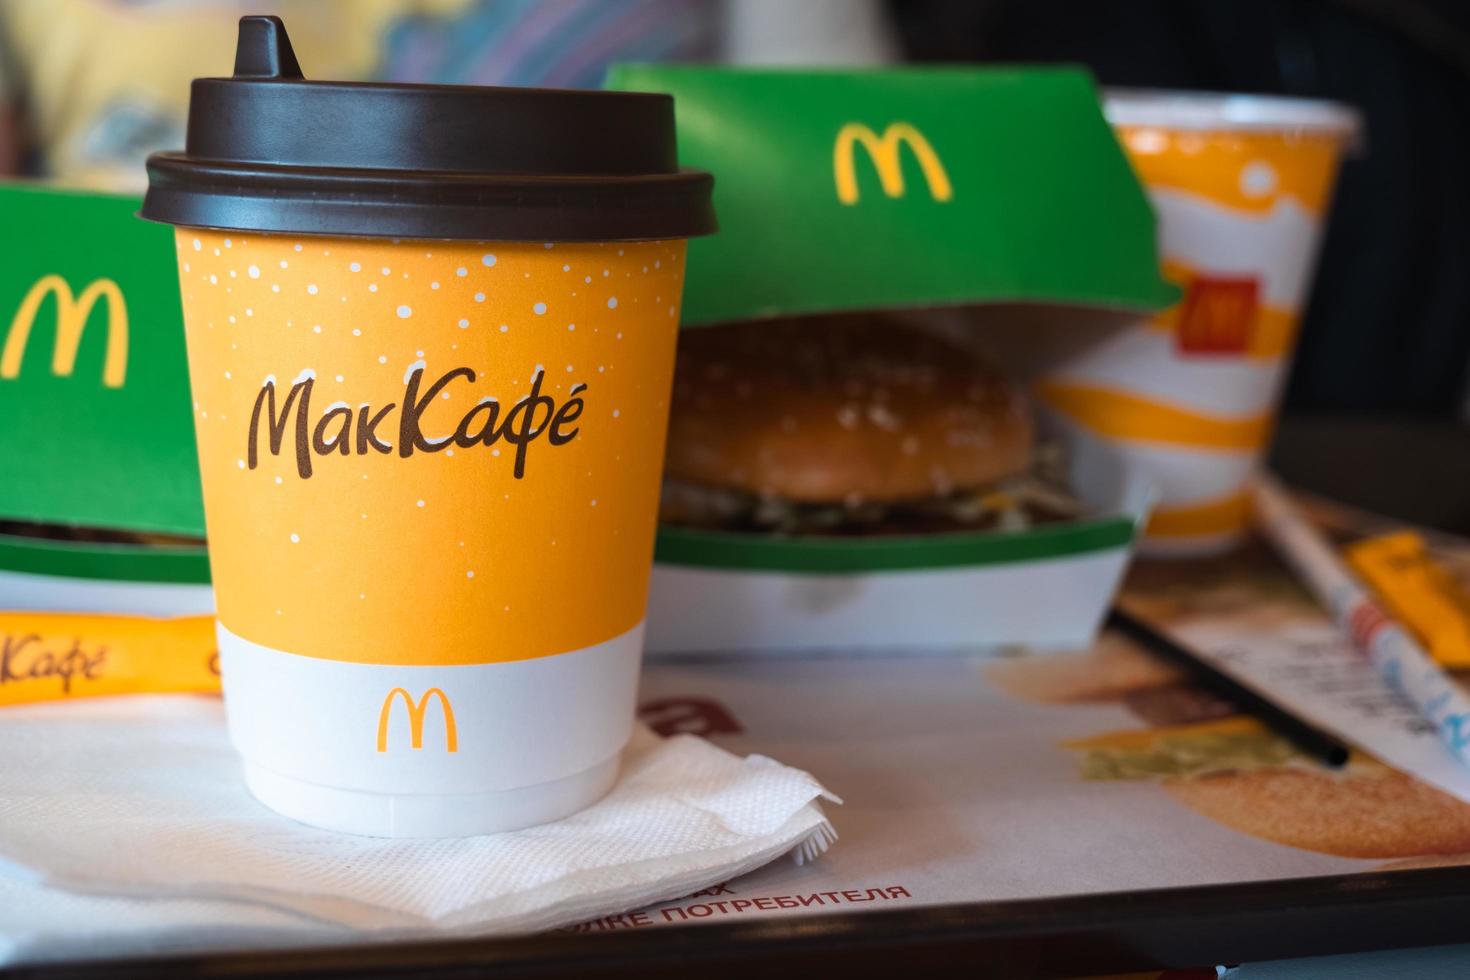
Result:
1011,505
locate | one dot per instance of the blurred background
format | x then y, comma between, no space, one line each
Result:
89,87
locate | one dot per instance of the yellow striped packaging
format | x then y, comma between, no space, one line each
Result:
1242,188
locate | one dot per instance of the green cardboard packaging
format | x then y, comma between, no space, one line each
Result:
94,394
905,189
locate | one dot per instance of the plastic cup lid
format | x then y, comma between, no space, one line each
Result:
268,150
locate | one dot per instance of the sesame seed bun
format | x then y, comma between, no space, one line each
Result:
840,408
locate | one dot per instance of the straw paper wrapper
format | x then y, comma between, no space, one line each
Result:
1405,665
58,656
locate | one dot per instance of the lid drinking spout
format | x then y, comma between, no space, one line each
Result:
264,50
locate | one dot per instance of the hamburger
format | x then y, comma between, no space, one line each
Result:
849,425
1230,768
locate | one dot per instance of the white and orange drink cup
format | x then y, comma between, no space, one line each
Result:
1242,186
431,335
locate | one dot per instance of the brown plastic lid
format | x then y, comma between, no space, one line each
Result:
268,150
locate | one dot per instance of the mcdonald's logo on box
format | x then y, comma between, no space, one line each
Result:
72,314
884,152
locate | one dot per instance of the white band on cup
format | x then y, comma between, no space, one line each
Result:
497,726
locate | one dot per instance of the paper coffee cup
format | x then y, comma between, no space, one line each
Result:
1242,187
430,394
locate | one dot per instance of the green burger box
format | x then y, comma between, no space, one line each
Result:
94,393
906,189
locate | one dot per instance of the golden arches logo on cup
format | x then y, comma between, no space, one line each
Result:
416,712
73,312
884,151
1217,316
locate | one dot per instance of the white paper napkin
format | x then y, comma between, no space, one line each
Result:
40,924
143,797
